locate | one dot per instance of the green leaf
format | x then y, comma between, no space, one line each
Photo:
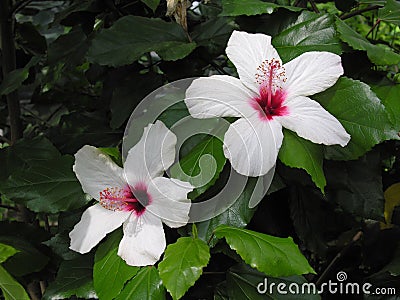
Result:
153,4
49,186
132,36
129,93
15,78
237,215
183,264
297,152
174,113
146,285
12,289
362,115
242,283
69,48
26,152
74,278
310,32
114,153
202,166
390,12
357,186
83,128
389,95
251,7
271,255
27,260
60,245
6,251
110,272
381,56
213,34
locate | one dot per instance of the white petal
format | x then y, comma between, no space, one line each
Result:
252,145
95,223
169,200
152,155
96,171
247,52
311,121
218,96
311,73
143,241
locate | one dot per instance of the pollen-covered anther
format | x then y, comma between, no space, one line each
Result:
272,73
114,199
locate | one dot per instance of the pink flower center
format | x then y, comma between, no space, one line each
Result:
126,199
269,103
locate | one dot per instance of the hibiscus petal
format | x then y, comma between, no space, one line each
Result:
311,121
247,52
311,73
252,145
218,96
169,200
95,223
143,241
152,155
96,171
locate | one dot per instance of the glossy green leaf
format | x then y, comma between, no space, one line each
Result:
12,289
271,255
151,4
183,264
390,12
146,285
362,115
378,55
60,245
297,152
243,281
6,251
237,215
202,166
389,95
213,34
15,78
110,272
132,36
251,8
25,152
310,32
49,186
74,278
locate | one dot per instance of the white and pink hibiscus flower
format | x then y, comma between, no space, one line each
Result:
267,97
136,196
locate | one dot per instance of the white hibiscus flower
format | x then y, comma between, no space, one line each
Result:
267,96
136,196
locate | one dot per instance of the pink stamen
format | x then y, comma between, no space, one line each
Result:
125,199
270,76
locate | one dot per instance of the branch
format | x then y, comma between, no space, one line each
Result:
355,238
359,12
314,6
8,65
